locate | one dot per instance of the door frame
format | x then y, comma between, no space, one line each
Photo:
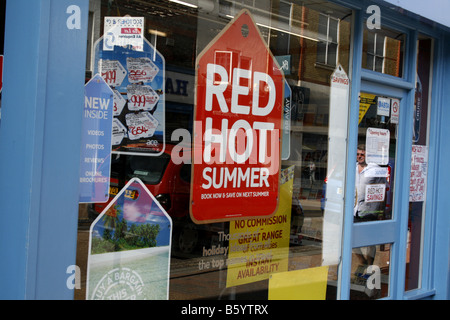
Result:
393,231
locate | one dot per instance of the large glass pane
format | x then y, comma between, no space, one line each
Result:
236,258
370,272
388,47
419,165
334,28
376,157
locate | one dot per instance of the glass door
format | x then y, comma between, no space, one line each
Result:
376,213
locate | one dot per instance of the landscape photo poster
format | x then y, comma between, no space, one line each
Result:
129,248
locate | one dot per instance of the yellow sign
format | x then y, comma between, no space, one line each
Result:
306,284
260,247
365,101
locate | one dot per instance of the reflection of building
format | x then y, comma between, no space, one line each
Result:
321,44
326,43
383,51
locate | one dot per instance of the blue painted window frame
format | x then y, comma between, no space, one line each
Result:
366,80
43,95
34,273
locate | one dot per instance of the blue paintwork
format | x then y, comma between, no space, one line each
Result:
40,146
43,97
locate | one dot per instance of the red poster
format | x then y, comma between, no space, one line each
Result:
237,125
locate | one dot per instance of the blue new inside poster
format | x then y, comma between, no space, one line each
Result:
137,79
96,141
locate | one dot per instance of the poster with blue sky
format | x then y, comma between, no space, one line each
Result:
129,248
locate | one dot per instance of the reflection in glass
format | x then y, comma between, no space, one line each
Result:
233,260
376,155
419,165
369,279
383,51
370,188
328,35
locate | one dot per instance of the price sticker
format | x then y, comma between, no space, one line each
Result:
112,71
141,69
141,125
141,97
119,103
119,131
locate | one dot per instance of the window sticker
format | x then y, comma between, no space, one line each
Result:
140,125
141,69
336,166
377,172
377,146
138,80
418,101
419,168
119,131
259,247
287,115
112,71
141,97
375,192
238,118
395,110
96,141
129,248
305,284
124,31
383,106
119,103
365,101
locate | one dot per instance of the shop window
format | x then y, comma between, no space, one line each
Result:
327,48
235,258
376,157
419,164
369,279
383,51
375,52
280,40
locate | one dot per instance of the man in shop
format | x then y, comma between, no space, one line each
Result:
370,188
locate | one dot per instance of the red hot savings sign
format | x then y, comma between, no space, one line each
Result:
237,123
